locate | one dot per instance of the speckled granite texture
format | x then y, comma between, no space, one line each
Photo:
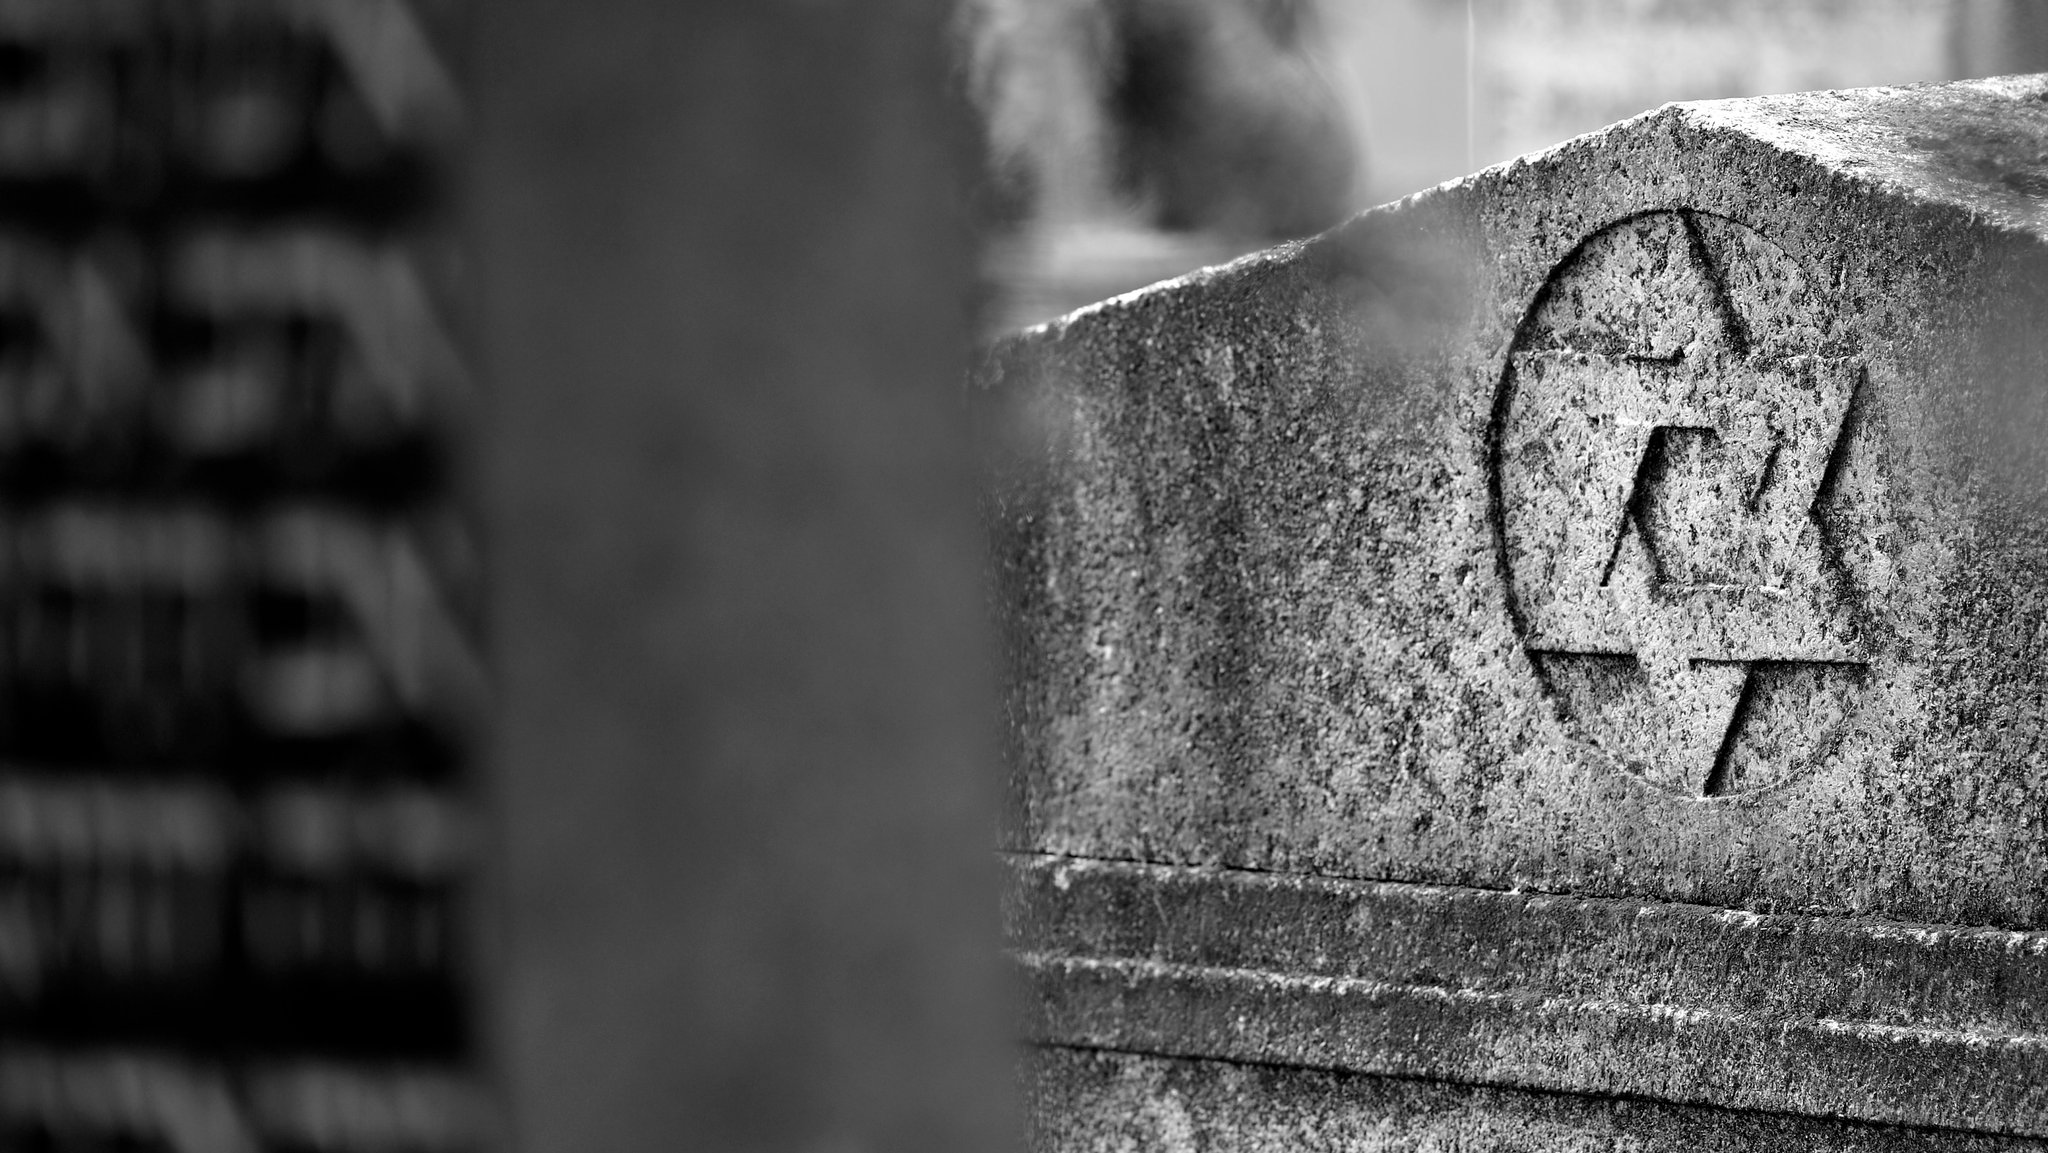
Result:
1653,528
1123,1103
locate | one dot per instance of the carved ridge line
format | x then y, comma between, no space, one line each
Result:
1134,970
1900,1023
1887,1074
1733,326
1724,754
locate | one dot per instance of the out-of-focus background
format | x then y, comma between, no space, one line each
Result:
1138,139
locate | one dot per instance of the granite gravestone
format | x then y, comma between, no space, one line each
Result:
1555,662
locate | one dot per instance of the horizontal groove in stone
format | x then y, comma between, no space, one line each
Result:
1096,1099
1907,1024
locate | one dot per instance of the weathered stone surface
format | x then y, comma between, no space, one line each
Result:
1874,1020
1104,1102
1658,519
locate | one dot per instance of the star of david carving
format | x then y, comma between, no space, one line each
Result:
1668,544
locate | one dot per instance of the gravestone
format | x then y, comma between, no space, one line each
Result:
743,773
238,653
1555,662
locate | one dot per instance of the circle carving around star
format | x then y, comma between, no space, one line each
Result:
1683,505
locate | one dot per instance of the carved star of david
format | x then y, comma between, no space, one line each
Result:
1677,559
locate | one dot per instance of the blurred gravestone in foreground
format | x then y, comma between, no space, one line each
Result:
745,760
742,862
236,642
1555,663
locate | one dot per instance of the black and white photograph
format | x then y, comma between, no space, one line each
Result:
1023,576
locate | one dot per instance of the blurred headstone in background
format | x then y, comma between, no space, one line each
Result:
237,661
1140,139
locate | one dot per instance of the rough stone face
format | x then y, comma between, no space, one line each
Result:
1645,540
1118,1102
1673,458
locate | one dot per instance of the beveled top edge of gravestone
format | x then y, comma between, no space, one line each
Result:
1977,145
1952,144
1277,254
